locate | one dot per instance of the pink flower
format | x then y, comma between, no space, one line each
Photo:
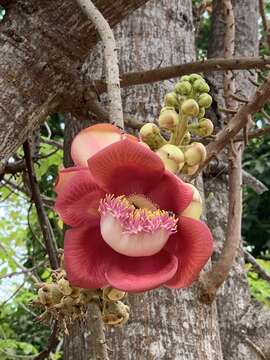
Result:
134,225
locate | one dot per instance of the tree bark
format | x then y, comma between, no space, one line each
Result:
164,324
244,325
43,46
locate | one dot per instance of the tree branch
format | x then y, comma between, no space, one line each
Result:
249,180
41,213
212,280
254,134
257,267
240,119
265,23
169,72
111,61
52,343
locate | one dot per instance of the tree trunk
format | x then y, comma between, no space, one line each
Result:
164,324
43,45
244,325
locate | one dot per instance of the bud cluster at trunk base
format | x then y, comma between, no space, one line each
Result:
60,301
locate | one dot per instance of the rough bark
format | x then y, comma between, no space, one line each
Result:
244,325
164,324
43,45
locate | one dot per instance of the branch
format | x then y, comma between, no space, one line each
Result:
240,119
254,134
212,280
52,343
169,72
111,61
22,272
249,180
57,144
41,213
257,267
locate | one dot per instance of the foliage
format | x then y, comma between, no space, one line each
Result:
260,289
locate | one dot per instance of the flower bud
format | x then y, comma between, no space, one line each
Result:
205,127
172,157
194,209
168,119
64,286
201,86
194,77
190,107
205,100
115,313
185,78
183,88
150,134
113,294
195,154
201,112
49,295
171,99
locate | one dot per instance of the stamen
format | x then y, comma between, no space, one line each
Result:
135,220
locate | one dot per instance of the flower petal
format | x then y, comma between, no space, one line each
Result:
91,140
194,209
65,175
85,257
78,202
193,245
136,274
135,245
126,167
171,193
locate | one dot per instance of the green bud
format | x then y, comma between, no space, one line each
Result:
195,154
168,119
205,100
171,99
194,77
172,157
201,86
150,134
201,112
190,107
183,88
185,78
205,127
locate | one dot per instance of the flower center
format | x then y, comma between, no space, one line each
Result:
134,226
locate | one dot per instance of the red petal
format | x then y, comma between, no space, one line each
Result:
136,274
85,257
65,175
78,203
193,245
91,140
171,193
126,167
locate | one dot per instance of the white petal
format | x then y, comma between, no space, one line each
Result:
141,244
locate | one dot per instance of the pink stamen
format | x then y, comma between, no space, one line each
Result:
133,220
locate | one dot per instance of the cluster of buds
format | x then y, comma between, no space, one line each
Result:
62,302
183,117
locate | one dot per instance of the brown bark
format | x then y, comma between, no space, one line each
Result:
43,46
244,326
